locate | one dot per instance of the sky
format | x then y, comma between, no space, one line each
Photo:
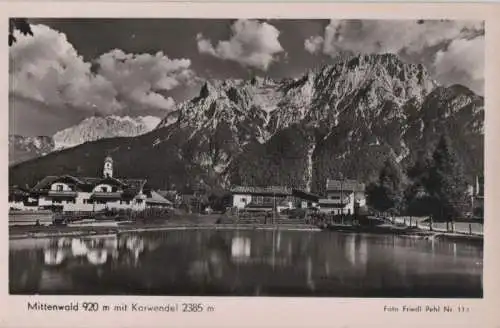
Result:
75,68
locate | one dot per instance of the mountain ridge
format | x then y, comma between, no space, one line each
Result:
344,118
22,148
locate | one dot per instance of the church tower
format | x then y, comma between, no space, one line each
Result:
108,167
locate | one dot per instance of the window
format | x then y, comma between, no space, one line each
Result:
139,201
243,200
56,201
59,187
104,189
72,201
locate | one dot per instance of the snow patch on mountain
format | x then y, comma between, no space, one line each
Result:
23,148
95,128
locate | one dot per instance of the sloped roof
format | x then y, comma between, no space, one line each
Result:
16,191
166,193
347,185
305,195
130,185
45,182
156,198
271,190
112,180
135,184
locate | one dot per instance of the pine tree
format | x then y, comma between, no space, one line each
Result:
446,182
387,193
420,169
416,198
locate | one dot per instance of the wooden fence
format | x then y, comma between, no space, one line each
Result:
424,223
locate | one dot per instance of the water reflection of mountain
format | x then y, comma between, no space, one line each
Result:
216,262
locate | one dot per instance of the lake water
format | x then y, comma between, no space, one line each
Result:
246,263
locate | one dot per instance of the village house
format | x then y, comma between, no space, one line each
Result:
343,197
155,199
171,195
267,198
70,194
20,199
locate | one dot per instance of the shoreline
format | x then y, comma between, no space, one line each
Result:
23,232
20,232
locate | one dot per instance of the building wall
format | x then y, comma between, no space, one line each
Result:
44,201
240,201
302,203
19,205
82,203
337,194
105,188
280,209
57,185
335,210
361,198
352,198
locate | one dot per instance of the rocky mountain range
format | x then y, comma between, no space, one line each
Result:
343,118
25,148
90,129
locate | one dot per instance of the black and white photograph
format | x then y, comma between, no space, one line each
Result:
250,157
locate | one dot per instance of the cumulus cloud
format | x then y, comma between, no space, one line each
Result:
47,68
408,38
380,36
140,79
462,62
313,44
252,44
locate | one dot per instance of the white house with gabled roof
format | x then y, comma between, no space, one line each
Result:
70,193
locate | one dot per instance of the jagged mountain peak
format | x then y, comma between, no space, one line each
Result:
357,87
320,90
99,127
378,66
455,101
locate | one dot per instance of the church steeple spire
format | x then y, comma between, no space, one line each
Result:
108,167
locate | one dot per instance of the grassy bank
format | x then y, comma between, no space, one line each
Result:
188,222
219,221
